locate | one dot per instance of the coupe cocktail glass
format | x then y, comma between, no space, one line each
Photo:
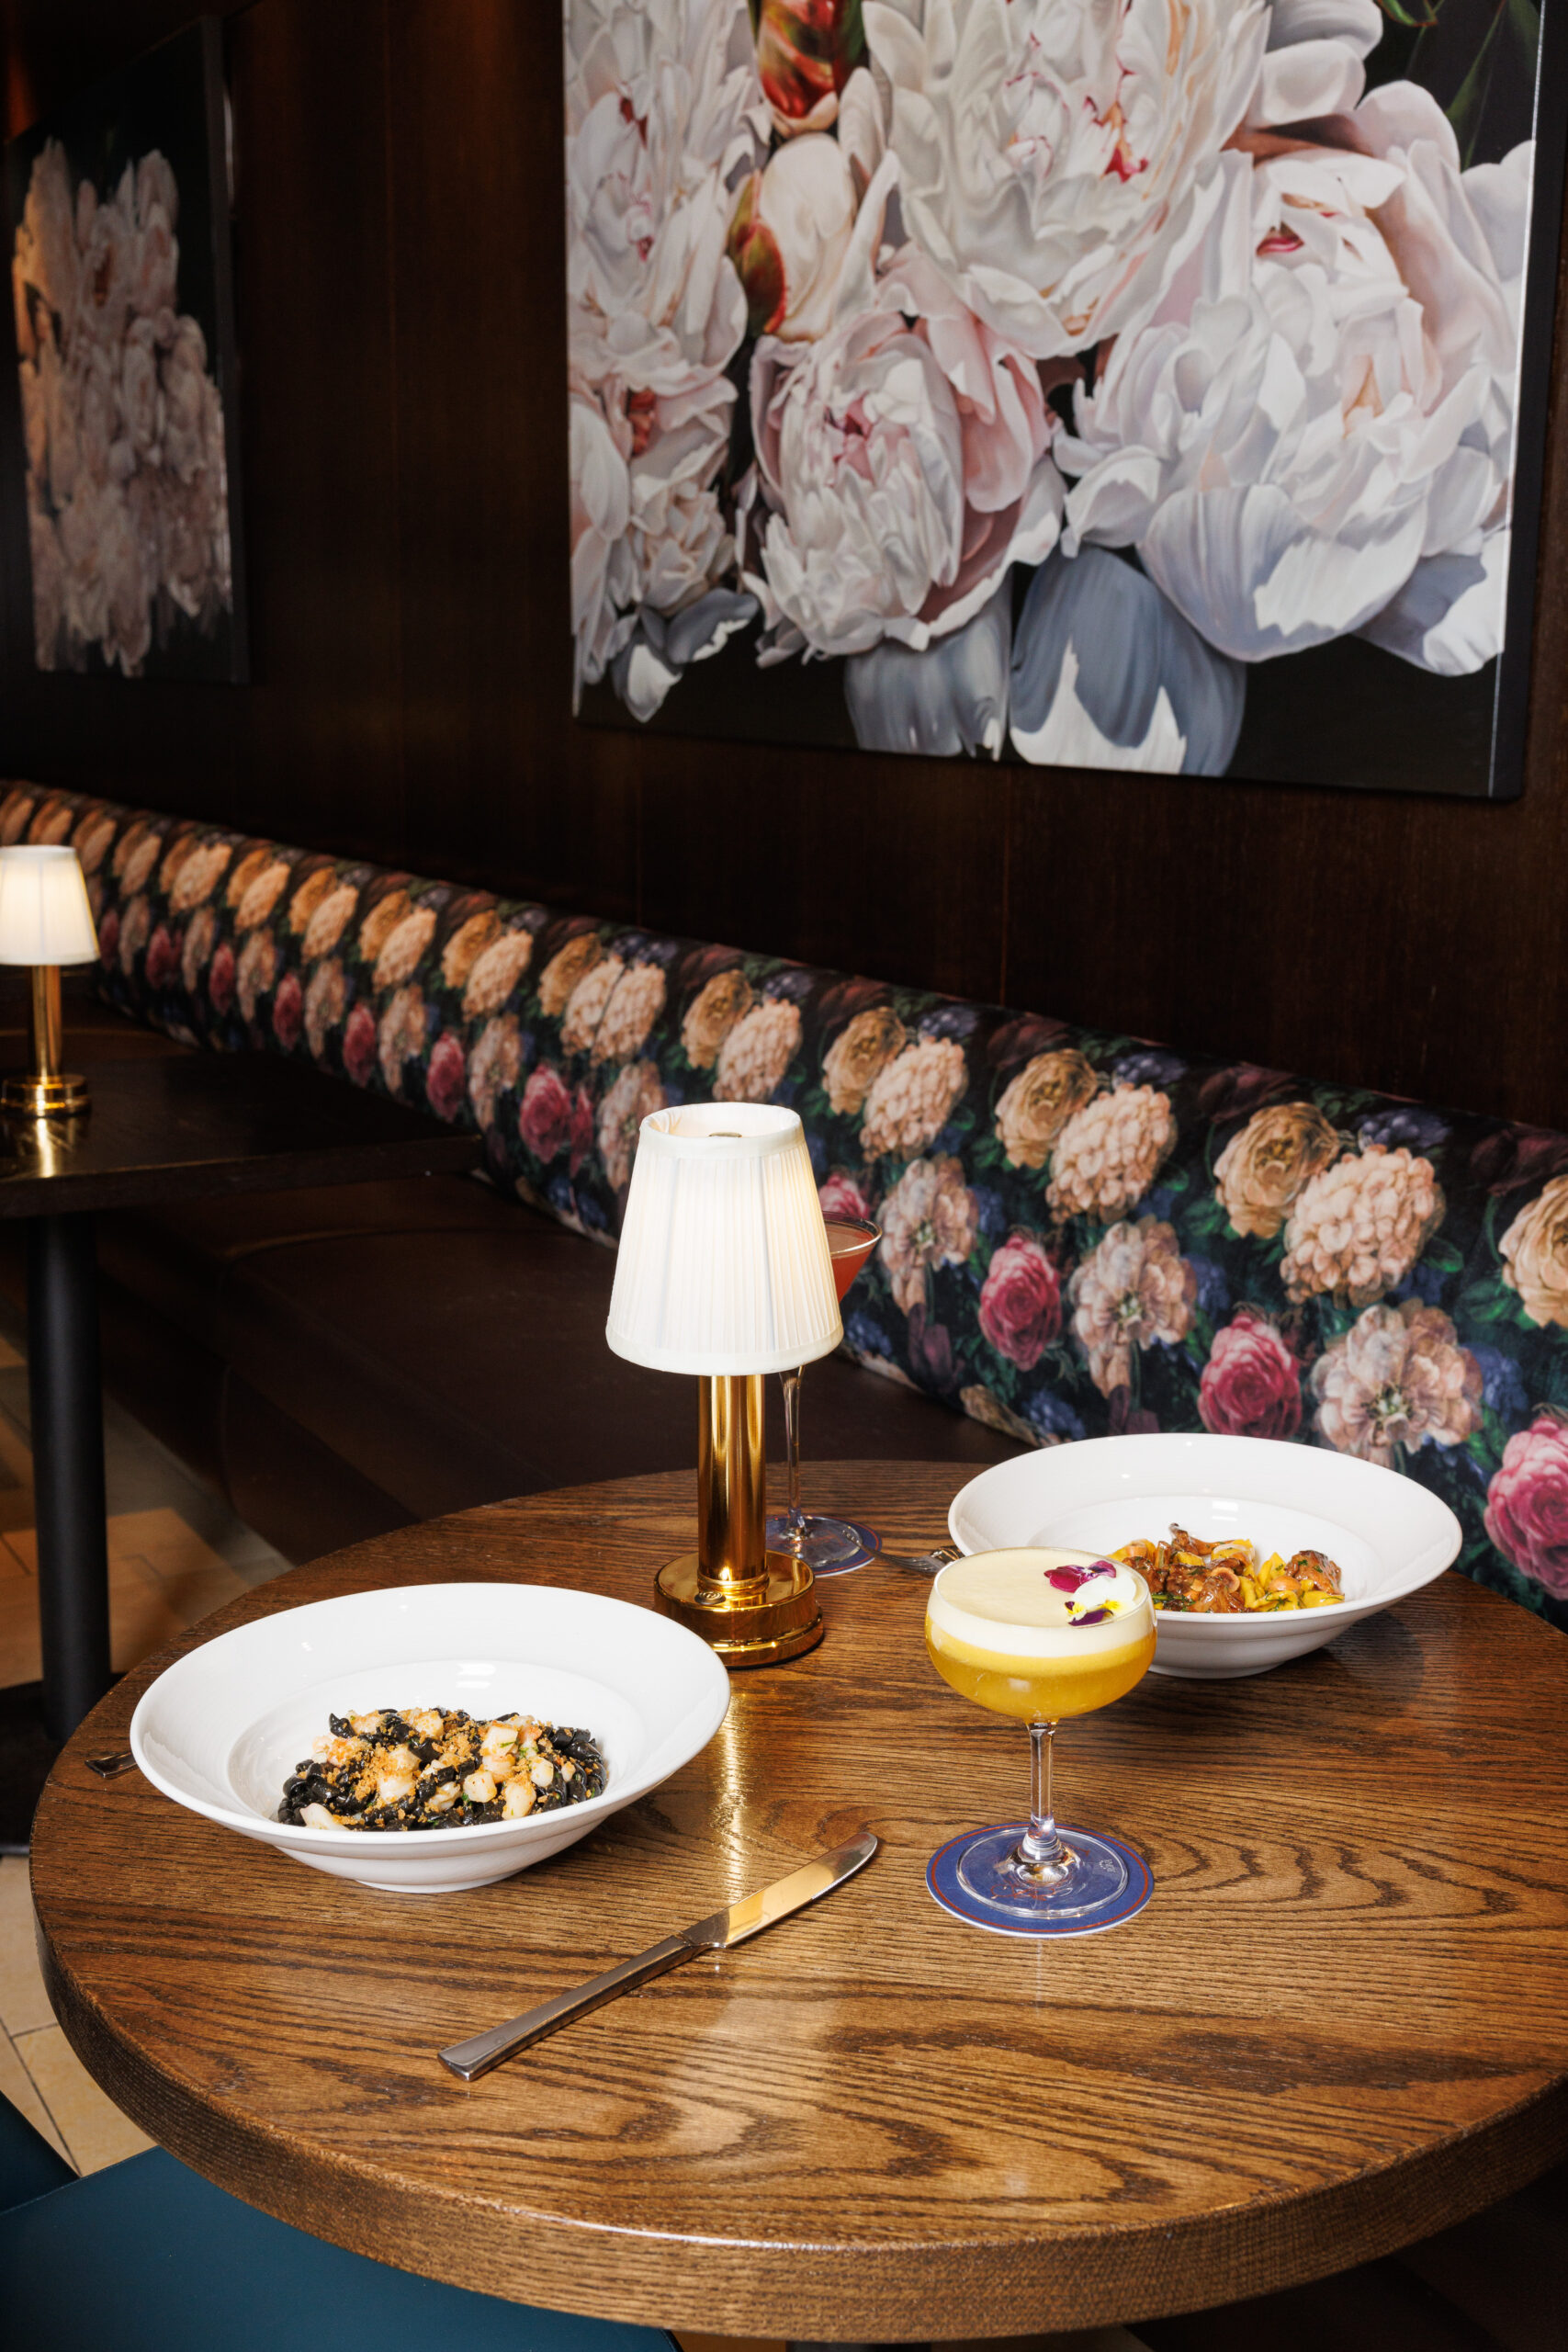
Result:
1040,1635
826,1545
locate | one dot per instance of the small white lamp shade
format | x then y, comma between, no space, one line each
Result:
44,914
724,1266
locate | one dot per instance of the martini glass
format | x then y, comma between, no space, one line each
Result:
826,1545
1040,1635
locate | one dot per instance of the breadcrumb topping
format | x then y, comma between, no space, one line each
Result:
432,1768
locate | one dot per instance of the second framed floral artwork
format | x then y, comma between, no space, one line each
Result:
125,345
1155,384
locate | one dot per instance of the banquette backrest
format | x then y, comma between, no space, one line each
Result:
1083,1232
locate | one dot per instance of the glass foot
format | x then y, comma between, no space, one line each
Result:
828,1546
1088,1891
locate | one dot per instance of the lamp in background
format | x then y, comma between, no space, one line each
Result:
45,920
723,1271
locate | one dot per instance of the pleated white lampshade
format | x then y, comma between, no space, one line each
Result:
44,914
723,1266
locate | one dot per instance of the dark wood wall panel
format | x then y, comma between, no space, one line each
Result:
477,232
398,282
896,868
319,747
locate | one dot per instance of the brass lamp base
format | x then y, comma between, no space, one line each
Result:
776,1618
752,1606
45,1090
45,1097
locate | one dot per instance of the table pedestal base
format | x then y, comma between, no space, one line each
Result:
27,1752
66,1398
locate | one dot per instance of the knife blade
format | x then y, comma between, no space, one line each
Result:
721,1930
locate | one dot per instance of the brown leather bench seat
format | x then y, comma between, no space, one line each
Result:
341,1362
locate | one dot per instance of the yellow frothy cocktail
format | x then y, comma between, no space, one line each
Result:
1040,1635
1027,1633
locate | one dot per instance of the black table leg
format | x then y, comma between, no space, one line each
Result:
66,1395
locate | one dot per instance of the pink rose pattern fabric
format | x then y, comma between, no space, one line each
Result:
1527,1511
1173,1244
1021,1300
1251,1386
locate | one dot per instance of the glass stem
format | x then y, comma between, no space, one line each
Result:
791,1383
1041,1843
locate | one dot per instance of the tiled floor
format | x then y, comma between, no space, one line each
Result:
175,1554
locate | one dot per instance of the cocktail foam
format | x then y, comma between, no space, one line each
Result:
1037,1602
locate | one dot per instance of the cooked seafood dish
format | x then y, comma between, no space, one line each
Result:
432,1768
1227,1579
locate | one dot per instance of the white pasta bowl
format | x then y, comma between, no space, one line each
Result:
1389,1535
221,1730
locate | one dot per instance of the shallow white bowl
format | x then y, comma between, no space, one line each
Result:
223,1729
1389,1535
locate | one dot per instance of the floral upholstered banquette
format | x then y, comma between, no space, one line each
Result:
1083,1232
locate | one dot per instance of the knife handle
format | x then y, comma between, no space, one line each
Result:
472,2059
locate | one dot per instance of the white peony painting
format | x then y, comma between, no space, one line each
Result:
1149,384
119,288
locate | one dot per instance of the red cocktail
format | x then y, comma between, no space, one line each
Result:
849,1243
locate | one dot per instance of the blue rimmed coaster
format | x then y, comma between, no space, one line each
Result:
941,1878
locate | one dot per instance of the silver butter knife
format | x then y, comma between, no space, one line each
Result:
734,1926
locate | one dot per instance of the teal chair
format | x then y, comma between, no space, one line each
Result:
147,2257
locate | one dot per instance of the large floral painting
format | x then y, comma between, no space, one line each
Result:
119,288
1118,383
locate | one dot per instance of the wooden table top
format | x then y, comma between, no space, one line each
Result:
184,1126
1341,2022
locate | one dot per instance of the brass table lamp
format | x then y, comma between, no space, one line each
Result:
723,1271
45,920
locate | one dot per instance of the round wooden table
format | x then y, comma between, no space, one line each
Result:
1341,2022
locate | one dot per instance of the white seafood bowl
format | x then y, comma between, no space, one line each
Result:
1389,1535
221,1730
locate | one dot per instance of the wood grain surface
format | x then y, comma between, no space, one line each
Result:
1340,2024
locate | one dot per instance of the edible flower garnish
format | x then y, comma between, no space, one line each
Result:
1069,1579
1084,1608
